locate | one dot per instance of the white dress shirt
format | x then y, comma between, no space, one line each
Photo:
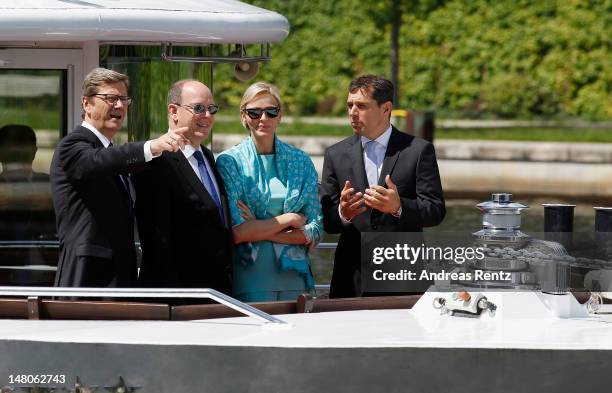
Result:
373,164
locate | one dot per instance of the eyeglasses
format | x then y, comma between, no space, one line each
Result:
199,109
257,113
112,99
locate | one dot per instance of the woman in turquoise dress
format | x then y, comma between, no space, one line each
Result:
273,196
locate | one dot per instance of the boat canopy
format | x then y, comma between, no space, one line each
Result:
177,21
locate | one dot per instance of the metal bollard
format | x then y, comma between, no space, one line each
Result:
603,219
603,231
559,223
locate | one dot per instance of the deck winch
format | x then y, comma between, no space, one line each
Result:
542,268
530,263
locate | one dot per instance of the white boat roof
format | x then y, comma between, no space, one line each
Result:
346,329
178,21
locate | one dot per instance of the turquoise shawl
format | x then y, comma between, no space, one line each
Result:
244,176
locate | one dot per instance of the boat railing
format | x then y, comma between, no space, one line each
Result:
48,270
327,246
12,244
54,245
33,293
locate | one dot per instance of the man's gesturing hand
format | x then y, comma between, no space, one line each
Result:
351,203
386,200
173,140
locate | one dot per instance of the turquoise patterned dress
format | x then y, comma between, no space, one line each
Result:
271,184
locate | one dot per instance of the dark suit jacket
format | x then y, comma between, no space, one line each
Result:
411,163
184,242
92,207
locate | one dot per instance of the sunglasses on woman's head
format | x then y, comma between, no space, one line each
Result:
256,113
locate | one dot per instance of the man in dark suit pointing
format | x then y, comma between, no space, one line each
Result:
182,207
378,180
91,190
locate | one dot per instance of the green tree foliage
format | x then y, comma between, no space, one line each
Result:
476,58
319,58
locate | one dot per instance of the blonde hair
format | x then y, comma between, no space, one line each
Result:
254,91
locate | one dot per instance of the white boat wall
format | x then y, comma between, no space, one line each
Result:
395,350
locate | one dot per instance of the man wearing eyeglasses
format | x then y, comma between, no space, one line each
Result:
378,180
182,207
91,190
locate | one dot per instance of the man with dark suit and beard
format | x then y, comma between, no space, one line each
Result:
182,210
378,180
91,190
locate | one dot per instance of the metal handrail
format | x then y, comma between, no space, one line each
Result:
29,243
33,268
238,56
55,244
327,246
203,293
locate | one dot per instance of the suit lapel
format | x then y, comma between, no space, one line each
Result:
186,170
391,155
358,176
89,135
115,179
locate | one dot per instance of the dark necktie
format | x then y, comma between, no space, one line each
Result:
208,183
125,182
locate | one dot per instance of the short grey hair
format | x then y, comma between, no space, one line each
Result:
254,91
102,76
99,77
